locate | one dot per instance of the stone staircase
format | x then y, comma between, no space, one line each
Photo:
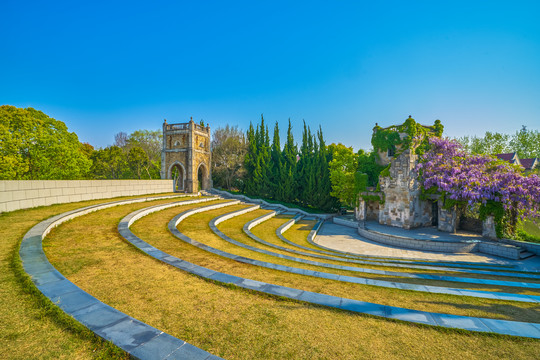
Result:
524,254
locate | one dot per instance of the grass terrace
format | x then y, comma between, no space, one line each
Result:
225,320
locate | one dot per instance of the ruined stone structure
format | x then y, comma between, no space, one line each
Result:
186,156
402,206
398,203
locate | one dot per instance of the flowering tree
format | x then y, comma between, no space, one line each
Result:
499,187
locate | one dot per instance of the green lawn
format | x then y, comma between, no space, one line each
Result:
531,228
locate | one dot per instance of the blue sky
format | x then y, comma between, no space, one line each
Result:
103,67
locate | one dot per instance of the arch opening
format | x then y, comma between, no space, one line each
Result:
202,178
178,175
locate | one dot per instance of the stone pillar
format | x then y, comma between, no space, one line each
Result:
447,219
189,176
488,228
361,209
210,181
163,147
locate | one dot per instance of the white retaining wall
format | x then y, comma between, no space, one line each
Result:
23,194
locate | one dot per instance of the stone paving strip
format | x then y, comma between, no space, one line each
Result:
341,257
131,218
364,270
433,266
140,340
504,327
334,252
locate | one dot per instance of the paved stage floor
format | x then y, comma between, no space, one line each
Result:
347,239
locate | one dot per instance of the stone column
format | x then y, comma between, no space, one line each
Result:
488,228
361,212
189,176
210,181
447,219
163,147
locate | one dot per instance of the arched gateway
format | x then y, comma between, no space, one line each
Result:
186,156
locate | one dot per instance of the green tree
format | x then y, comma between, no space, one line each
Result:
305,181
490,144
367,164
250,161
276,167
323,198
262,165
229,149
289,161
36,146
138,161
343,168
110,163
526,143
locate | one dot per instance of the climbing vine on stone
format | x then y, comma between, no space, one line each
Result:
384,139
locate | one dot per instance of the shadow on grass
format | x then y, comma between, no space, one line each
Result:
515,313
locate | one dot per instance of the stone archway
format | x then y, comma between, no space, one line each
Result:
177,172
203,177
188,145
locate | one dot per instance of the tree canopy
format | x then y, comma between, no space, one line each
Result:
229,148
525,142
286,174
36,146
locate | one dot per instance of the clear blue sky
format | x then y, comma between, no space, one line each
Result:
103,67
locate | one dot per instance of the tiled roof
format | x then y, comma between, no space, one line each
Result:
529,164
510,157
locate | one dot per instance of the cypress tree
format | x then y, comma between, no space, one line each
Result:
276,190
250,161
325,201
288,171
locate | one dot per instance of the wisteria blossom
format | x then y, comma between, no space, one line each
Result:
449,170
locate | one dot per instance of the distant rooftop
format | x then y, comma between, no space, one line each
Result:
512,158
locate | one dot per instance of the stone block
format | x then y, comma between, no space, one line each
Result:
11,185
63,199
18,195
51,200
6,196
39,202
42,193
128,334
25,204
31,194
56,191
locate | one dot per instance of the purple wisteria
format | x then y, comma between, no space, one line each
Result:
447,169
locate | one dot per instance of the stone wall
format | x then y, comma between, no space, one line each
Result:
447,219
23,194
402,206
470,224
488,228
418,244
367,209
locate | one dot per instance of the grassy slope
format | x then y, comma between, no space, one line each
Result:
30,326
239,324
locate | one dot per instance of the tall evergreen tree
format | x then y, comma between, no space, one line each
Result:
324,200
276,189
260,176
288,172
250,161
